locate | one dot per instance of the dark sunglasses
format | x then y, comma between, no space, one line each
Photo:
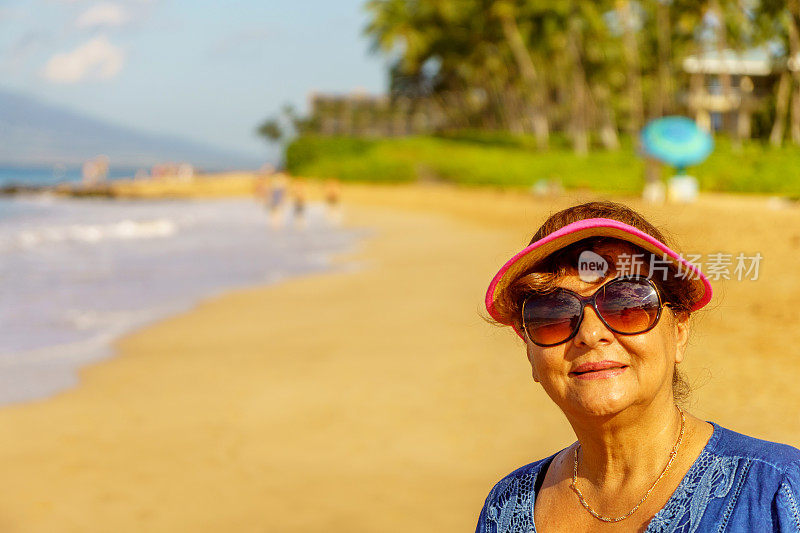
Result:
628,306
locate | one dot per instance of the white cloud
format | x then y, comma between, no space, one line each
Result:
97,59
100,15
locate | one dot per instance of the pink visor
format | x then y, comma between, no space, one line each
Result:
593,227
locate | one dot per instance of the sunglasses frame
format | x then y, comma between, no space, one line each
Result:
592,300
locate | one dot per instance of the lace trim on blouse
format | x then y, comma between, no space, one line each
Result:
511,502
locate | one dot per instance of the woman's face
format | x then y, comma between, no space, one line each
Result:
649,357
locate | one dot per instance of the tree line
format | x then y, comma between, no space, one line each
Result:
590,69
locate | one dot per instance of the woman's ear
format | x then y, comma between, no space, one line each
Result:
530,360
681,321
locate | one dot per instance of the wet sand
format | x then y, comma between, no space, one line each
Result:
376,399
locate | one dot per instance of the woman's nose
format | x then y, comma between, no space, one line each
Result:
592,330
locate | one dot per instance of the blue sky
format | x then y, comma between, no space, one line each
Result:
203,70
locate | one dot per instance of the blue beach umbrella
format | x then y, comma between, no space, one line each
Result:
677,141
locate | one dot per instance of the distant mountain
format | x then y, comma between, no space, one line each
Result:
36,133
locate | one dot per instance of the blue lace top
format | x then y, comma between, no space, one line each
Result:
737,483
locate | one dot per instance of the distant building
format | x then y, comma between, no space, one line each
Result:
753,74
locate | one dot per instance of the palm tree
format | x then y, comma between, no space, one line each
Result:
777,20
535,88
632,60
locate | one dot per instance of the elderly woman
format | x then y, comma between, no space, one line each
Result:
603,307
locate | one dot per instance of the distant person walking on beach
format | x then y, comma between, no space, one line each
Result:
276,198
299,199
95,171
266,170
333,196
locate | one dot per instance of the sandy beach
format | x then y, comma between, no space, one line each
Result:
376,399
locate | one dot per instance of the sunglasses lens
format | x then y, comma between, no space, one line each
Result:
551,318
629,306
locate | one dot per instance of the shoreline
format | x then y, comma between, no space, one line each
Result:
382,385
215,185
93,271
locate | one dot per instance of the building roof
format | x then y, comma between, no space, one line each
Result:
751,62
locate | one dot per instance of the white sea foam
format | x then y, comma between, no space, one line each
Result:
94,233
77,274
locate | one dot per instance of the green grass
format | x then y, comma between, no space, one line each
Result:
477,158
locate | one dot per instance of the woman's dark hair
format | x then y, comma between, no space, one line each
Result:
542,277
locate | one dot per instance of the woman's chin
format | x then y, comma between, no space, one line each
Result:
594,405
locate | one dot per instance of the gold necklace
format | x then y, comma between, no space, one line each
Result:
607,519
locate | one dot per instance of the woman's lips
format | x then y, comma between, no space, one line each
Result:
599,374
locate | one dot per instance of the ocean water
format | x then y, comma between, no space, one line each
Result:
75,274
53,175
